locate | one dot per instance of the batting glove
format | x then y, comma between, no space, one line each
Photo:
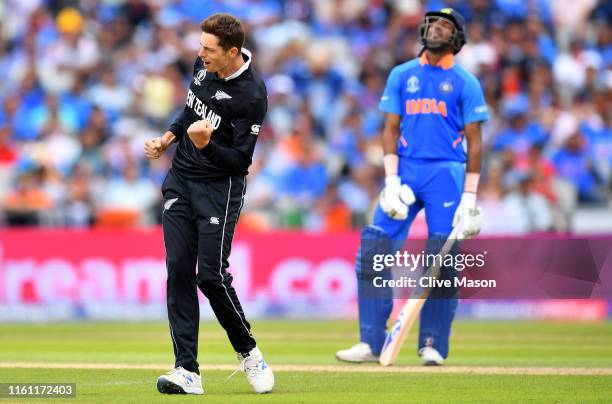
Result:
468,216
395,198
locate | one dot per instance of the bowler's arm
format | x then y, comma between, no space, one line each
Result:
168,138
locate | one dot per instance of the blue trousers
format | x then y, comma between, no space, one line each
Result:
438,186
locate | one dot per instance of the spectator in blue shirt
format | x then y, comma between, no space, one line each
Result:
521,133
574,164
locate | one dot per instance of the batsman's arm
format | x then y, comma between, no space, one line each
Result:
468,216
391,104
473,135
391,133
389,138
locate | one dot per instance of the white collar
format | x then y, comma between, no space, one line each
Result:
245,66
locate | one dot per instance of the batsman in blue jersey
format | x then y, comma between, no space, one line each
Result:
433,108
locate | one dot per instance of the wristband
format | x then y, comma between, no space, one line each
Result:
390,162
471,182
469,199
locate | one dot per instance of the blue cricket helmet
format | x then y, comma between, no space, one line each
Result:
459,35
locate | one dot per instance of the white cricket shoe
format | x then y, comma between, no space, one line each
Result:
180,381
430,357
258,372
358,353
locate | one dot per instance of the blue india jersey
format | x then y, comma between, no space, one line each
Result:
435,103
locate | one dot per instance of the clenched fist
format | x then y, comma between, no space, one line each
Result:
199,132
155,147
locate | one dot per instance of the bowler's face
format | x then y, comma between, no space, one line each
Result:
214,57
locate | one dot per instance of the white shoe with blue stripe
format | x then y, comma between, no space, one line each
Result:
258,372
180,381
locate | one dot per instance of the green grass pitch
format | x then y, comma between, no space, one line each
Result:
521,346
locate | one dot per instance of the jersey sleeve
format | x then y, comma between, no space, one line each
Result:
247,127
177,127
238,157
473,102
197,65
391,100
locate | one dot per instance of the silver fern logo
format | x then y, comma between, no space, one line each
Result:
221,95
168,204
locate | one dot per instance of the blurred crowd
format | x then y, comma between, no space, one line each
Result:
85,83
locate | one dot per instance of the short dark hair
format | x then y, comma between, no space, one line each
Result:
227,28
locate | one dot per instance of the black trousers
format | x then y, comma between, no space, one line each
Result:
198,224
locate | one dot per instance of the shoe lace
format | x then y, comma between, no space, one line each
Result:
172,371
244,367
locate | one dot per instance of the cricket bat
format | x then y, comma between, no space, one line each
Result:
406,318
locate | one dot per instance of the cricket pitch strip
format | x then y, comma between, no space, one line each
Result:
483,370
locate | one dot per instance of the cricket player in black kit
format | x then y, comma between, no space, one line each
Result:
203,193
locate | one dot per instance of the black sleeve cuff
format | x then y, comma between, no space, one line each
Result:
227,159
177,131
209,149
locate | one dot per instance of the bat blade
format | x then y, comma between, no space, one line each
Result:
397,334
409,313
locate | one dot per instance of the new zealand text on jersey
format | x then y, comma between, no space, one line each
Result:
202,110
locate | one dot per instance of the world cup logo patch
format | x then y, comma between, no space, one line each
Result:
412,85
199,77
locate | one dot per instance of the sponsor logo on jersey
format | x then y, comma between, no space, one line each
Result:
426,106
255,129
412,85
214,220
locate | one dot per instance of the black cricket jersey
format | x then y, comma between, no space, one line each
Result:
235,106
